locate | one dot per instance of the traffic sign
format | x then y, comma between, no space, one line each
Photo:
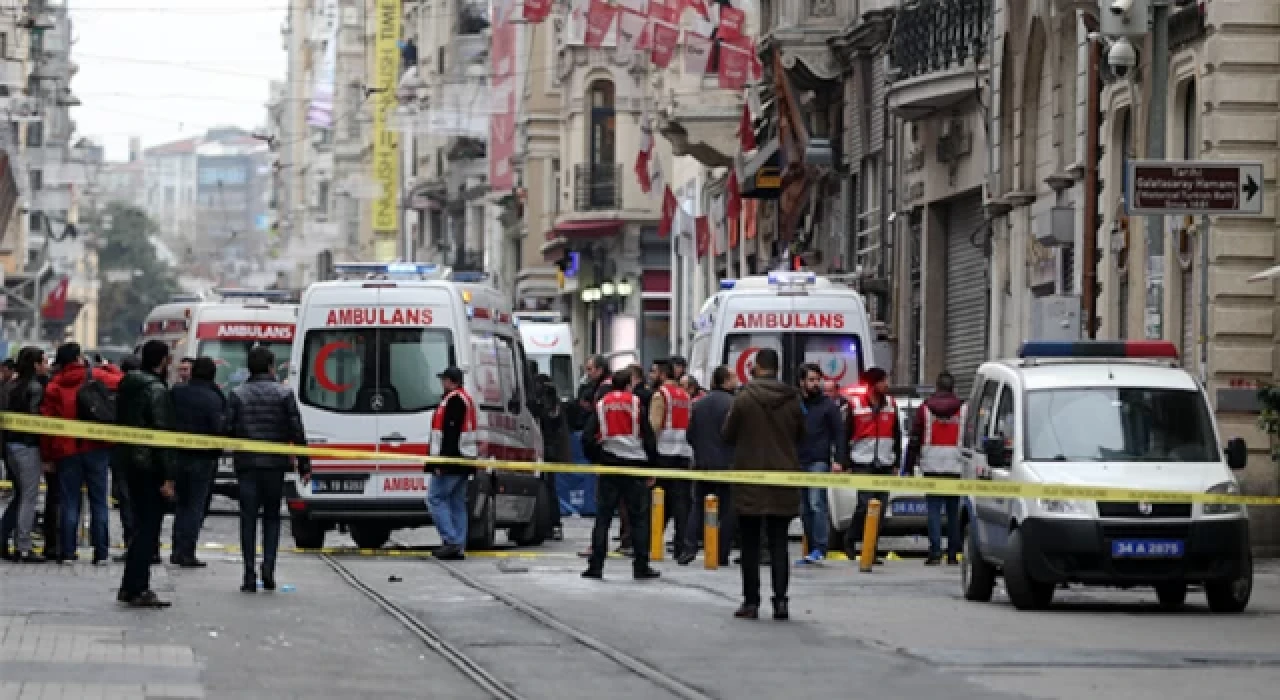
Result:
1174,187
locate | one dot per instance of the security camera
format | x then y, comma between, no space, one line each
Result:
1121,7
1122,57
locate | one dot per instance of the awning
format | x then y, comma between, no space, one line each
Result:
1267,274
762,175
587,228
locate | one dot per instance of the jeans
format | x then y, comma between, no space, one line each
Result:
88,469
447,501
697,518
260,489
20,517
817,522
775,529
613,491
936,504
192,491
148,510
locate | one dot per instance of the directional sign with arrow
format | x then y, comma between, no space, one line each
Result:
1170,187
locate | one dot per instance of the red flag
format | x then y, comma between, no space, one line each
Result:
746,132
757,68
699,6
668,213
537,11
599,19
734,64
632,27
733,195
732,22
642,171
665,38
665,11
697,53
702,229
54,307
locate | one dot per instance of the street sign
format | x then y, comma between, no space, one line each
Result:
1173,187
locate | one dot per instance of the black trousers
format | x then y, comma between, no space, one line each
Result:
613,491
677,496
549,478
120,492
52,518
193,488
865,498
775,528
260,490
148,512
697,517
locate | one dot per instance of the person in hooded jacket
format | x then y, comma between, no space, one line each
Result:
79,463
764,426
935,446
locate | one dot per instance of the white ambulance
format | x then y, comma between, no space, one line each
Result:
225,329
548,340
365,370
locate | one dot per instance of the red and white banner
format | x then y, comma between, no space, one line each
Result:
599,20
746,131
638,7
702,232
669,205
735,62
665,38
732,22
502,121
646,151
699,6
54,307
537,11
697,53
632,31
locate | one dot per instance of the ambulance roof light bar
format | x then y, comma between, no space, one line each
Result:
388,270
265,294
1098,349
792,281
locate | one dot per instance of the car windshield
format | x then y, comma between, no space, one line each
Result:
231,357
363,370
1119,425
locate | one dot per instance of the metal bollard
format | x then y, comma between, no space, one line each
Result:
804,544
870,536
711,533
657,523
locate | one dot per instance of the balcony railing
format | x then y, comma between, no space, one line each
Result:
597,186
934,35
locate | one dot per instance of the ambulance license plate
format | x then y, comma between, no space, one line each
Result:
1147,549
337,485
909,507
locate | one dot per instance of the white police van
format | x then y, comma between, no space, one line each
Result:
1117,414
370,347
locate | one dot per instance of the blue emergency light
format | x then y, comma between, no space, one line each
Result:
727,284
789,278
253,293
1133,349
470,277
401,269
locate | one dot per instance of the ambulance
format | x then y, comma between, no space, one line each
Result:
548,339
371,345
225,329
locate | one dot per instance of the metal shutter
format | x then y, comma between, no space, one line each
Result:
966,306
1188,301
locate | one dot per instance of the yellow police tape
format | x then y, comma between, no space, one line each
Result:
939,487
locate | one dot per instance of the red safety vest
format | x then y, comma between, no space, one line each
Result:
940,446
675,424
871,439
619,415
467,442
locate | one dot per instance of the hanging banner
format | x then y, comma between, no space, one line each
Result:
599,22
320,112
537,11
697,53
702,232
735,61
732,22
665,38
502,122
638,7
386,143
631,30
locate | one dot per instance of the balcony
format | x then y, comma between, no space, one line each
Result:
701,119
597,187
933,54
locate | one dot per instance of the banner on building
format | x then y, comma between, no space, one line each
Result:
502,122
599,21
54,307
632,31
537,11
732,22
386,143
697,53
735,62
320,111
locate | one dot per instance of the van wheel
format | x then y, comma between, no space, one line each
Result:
483,531
977,577
1024,592
370,535
1171,595
1231,596
307,533
539,527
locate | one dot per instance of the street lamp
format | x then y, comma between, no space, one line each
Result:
607,289
624,289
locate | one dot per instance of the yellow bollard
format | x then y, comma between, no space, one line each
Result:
657,523
870,536
804,544
711,533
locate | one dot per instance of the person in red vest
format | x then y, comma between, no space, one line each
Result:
623,437
669,416
875,437
453,434
935,445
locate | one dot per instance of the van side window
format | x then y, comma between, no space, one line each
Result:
486,383
698,357
508,370
1006,426
980,418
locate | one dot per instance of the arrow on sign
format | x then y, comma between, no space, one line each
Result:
1250,187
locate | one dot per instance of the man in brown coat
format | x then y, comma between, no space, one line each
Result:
764,425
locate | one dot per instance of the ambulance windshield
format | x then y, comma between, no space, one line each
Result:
231,357
838,354
374,370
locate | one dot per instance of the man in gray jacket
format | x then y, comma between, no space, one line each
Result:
712,453
264,409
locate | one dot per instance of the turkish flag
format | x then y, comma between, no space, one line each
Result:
702,230
735,62
665,37
668,213
733,195
54,307
732,22
632,28
642,171
746,133
537,11
599,20
697,53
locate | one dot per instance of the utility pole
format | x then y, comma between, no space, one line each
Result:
1157,114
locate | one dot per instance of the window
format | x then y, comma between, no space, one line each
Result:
1005,423
838,354
35,135
980,420
698,359
495,380
37,180
602,124
232,356
1107,424
344,369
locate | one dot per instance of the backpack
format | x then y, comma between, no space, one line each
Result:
95,402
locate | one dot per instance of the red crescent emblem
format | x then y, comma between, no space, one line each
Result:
844,369
746,361
322,378
542,343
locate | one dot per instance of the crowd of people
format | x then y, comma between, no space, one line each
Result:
146,482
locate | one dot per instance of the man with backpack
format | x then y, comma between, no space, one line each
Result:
78,392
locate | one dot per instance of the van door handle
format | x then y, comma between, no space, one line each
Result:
394,437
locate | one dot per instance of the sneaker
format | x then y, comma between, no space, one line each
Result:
747,612
686,559
815,557
933,560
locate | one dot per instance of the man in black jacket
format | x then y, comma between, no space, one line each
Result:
200,408
143,401
264,409
711,453
823,450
